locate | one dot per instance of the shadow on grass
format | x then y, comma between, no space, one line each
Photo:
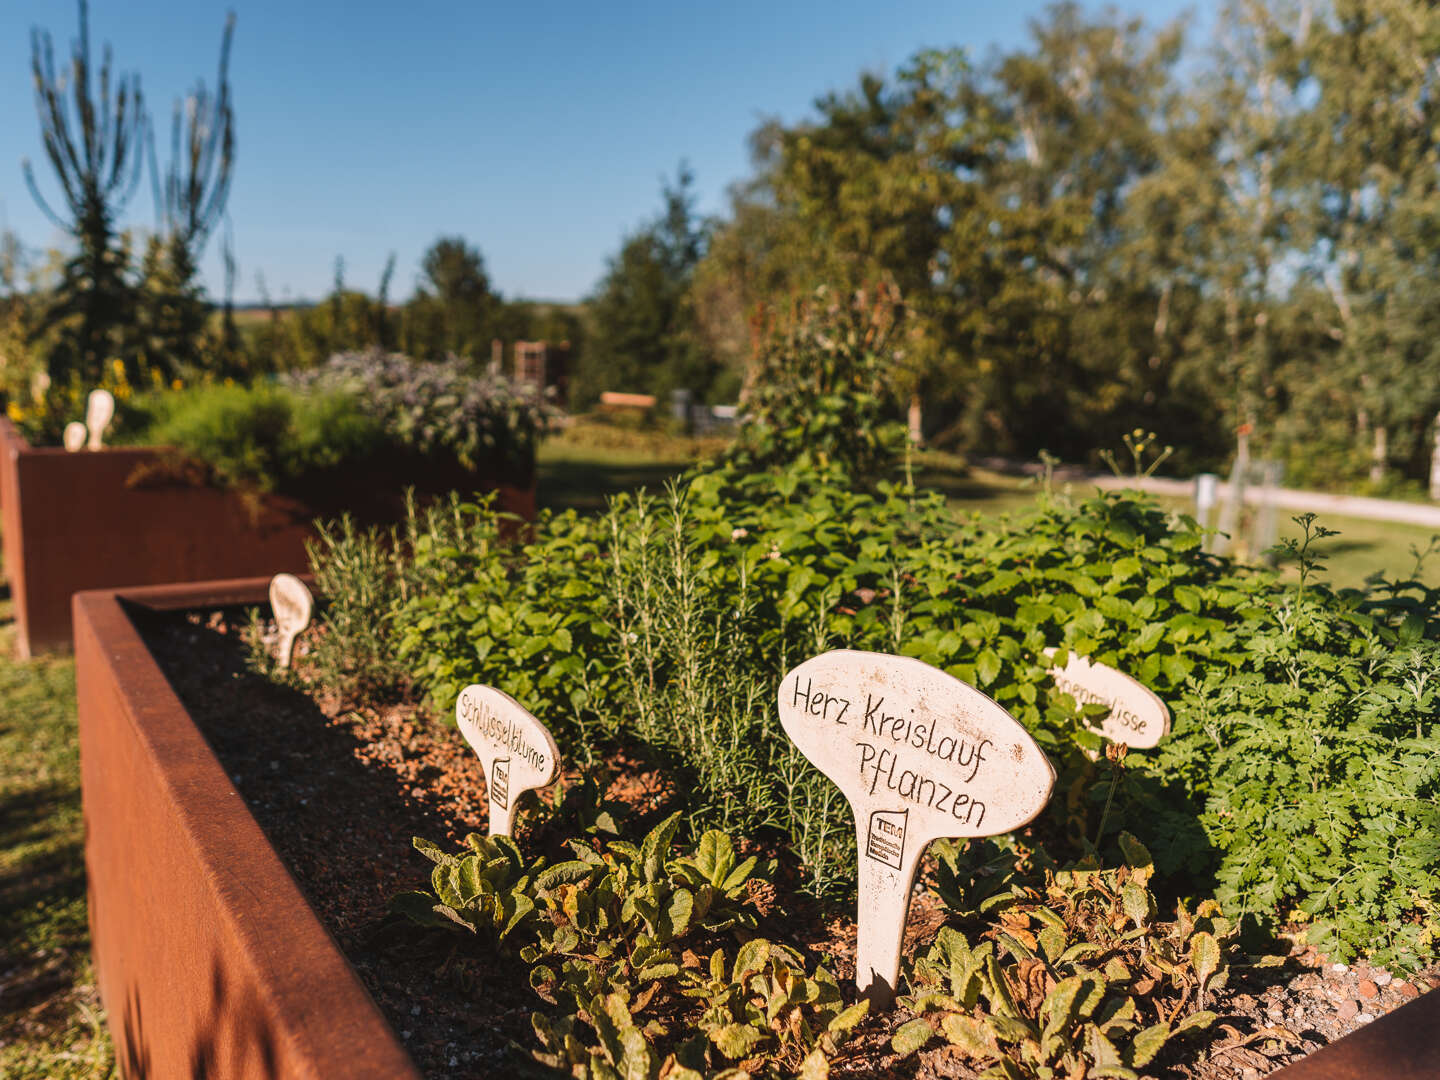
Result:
584,486
42,905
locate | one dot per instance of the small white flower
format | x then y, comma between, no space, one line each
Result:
739,534
774,553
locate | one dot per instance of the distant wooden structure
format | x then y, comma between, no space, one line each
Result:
541,366
612,401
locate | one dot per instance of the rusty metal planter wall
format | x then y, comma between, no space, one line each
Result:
209,960
76,521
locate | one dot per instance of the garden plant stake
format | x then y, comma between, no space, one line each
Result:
516,751
1137,717
99,411
920,755
293,605
74,437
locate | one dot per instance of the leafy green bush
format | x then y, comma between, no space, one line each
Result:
259,436
821,386
1299,779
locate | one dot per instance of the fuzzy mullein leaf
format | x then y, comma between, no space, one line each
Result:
715,856
468,881
1204,958
674,919
736,1041
565,873
431,850
998,989
970,1035
1101,1051
1137,855
656,845
1146,1044
1136,900
1196,1021
847,1018
911,1037
638,1060
751,957
1052,943
816,1066
1009,1028
1061,1006
737,877
523,906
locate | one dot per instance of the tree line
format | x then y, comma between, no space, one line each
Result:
1094,234
1105,229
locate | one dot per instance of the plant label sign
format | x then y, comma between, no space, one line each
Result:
516,751
293,605
920,755
99,411
1137,717
74,437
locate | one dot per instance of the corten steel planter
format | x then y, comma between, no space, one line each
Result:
122,516
209,960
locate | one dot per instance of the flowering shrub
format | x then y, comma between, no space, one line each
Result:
438,407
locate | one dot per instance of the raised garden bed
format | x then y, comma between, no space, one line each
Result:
211,960
126,516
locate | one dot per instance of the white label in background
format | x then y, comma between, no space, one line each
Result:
293,605
516,751
1137,717
920,755
99,411
74,436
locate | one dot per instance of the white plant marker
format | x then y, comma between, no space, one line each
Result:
920,755
516,751
74,437
99,411
293,605
1137,717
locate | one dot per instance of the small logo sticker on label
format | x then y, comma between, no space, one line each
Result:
500,782
887,836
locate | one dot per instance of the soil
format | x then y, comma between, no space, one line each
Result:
340,787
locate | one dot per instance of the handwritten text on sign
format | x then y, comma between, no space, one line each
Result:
1137,717
920,755
516,751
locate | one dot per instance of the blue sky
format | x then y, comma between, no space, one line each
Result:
539,132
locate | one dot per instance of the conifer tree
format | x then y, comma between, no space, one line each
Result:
94,146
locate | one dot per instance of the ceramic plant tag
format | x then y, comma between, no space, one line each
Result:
74,437
920,755
1137,717
516,751
293,605
99,411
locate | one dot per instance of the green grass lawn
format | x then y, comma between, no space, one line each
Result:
50,1019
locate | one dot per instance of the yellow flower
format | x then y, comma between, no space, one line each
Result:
15,412
118,366
176,384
